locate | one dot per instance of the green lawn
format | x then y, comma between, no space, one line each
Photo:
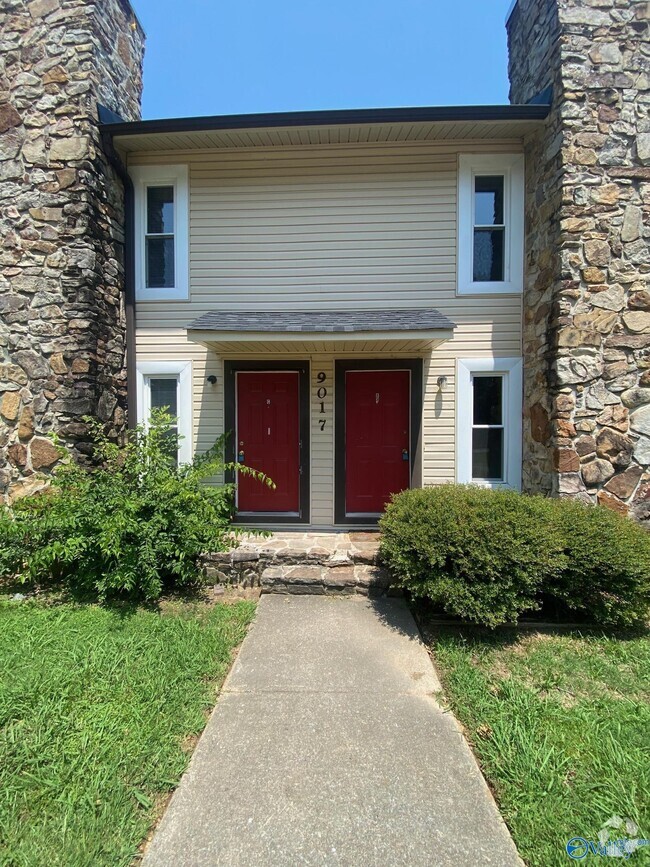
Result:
560,724
98,707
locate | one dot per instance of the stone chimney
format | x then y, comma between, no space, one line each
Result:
587,293
62,329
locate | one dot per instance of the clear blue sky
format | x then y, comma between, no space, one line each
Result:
237,56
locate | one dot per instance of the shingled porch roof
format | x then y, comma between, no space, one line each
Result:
425,326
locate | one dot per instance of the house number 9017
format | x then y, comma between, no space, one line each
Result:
321,394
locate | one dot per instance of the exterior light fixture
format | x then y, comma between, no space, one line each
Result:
442,383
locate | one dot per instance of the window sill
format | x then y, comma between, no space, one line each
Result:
170,294
490,289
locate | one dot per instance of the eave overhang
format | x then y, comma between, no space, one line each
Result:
420,123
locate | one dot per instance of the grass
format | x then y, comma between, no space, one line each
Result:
98,709
560,724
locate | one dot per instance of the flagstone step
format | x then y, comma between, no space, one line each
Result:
332,580
295,562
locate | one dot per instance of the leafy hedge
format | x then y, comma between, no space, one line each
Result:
487,556
134,525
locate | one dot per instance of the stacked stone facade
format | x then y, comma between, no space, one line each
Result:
587,293
62,334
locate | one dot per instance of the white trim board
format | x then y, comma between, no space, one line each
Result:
511,166
512,371
176,176
182,369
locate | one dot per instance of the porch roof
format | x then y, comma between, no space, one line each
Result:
424,326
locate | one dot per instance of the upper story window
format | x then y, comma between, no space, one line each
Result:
159,239
490,223
161,232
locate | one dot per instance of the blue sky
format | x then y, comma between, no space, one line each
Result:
236,56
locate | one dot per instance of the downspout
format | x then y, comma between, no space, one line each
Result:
129,276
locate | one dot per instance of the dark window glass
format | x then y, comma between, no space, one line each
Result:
487,453
160,262
160,210
488,255
488,201
488,400
164,394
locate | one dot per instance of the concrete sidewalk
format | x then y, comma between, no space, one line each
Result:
327,747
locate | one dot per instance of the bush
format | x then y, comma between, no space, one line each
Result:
606,566
133,526
486,555
481,555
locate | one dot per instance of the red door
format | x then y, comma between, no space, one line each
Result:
268,435
377,458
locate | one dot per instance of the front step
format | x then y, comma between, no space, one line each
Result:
336,564
329,580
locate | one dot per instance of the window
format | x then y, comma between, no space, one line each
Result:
490,223
489,421
487,427
489,229
161,229
168,384
159,238
163,394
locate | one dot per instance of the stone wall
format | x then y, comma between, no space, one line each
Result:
62,336
587,299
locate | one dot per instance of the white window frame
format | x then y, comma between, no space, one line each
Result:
176,176
511,371
511,167
182,370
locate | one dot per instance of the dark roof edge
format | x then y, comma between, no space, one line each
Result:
511,9
418,114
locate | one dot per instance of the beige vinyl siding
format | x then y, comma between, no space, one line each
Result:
329,227
320,227
207,409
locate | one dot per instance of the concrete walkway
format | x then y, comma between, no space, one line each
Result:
327,747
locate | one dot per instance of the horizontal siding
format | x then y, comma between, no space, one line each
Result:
327,227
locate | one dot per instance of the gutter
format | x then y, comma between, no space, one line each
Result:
129,268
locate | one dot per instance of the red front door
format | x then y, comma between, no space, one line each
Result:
377,458
268,435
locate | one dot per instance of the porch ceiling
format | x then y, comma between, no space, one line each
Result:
406,330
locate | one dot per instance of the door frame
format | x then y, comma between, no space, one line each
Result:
416,397
231,368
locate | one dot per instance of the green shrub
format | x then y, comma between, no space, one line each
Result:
133,526
486,555
606,571
480,554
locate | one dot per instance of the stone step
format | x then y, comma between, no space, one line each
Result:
342,562
314,556
332,580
